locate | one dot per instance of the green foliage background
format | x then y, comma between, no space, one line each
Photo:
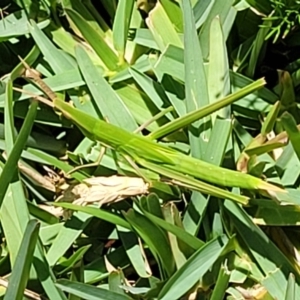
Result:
150,63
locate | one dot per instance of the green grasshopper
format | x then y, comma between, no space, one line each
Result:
157,157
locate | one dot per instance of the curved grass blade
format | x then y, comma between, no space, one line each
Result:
21,269
105,53
268,257
290,126
89,292
134,250
67,235
96,212
155,238
13,158
180,233
191,272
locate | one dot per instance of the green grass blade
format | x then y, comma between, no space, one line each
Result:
180,233
202,10
196,89
268,257
58,60
9,118
157,240
258,46
66,237
221,9
180,250
96,212
217,144
12,161
162,29
291,128
115,280
106,100
89,292
195,267
14,209
152,89
21,269
45,274
218,78
106,54
67,264
77,275
17,25
269,123
174,13
135,252
289,165
14,217
121,26
82,8
290,293
41,214
221,284
205,111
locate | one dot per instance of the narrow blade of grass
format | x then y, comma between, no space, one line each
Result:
271,119
105,53
196,88
290,126
121,26
290,293
205,111
135,252
221,284
114,109
162,29
87,291
157,241
195,267
66,237
96,212
218,78
20,272
12,161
